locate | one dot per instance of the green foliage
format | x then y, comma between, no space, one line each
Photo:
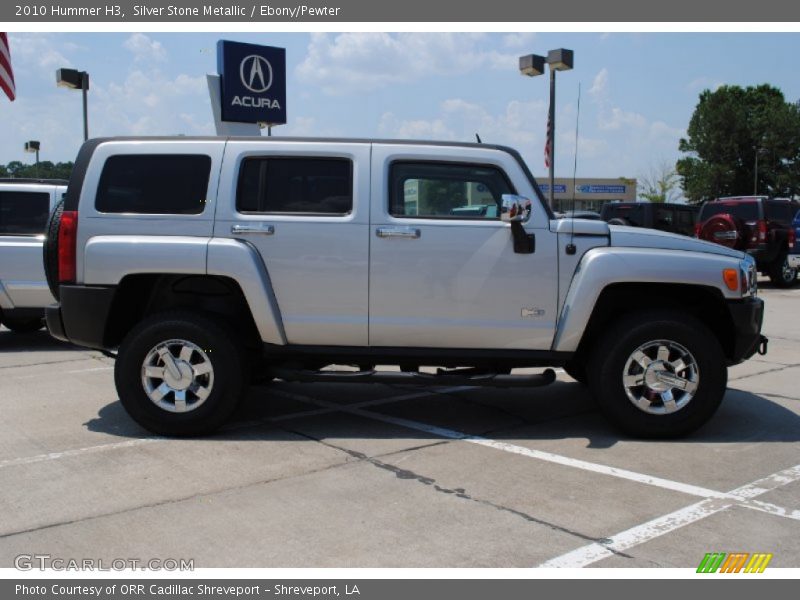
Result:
660,184
732,126
44,170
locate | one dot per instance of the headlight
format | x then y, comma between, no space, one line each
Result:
749,276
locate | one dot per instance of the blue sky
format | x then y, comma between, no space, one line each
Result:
638,90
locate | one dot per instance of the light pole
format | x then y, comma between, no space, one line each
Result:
76,80
533,65
759,150
33,146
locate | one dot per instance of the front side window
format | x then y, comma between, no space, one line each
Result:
23,213
311,186
446,190
156,184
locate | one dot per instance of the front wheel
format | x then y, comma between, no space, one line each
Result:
658,374
781,274
180,374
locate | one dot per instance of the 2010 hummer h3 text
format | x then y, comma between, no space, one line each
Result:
207,261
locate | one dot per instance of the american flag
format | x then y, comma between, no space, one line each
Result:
548,144
6,74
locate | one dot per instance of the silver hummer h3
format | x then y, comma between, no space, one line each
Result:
208,261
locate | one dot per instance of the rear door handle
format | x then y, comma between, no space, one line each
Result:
257,228
411,233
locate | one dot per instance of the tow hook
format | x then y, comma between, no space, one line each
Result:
762,345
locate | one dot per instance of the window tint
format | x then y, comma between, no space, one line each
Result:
746,211
295,185
685,224
664,218
779,211
23,213
633,213
440,190
156,184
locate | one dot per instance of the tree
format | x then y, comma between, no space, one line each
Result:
660,184
731,130
44,170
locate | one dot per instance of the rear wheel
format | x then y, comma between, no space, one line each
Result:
658,374
180,373
50,249
781,274
23,325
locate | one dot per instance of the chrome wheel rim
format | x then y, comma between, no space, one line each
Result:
660,377
789,274
177,376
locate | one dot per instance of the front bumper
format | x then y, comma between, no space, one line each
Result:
81,315
747,316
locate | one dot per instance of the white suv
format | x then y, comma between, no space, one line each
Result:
25,205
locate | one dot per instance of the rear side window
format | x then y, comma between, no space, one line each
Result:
632,213
311,186
446,190
154,184
779,211
23,213
746,211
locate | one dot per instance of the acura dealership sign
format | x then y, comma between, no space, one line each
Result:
253,82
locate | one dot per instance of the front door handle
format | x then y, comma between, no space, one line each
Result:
257,228
411,233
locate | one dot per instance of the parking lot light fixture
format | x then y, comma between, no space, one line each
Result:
76,80
33,147
531,65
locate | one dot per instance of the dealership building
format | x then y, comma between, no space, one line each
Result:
589,193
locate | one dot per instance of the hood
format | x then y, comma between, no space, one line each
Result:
638,237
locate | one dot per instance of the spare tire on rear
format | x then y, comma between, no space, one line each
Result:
724,229
51,248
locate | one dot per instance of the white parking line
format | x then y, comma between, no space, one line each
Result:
645,532
27,460
676,486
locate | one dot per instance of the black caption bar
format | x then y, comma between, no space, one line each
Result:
383,589
419,11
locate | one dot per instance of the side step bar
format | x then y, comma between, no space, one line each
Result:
443,377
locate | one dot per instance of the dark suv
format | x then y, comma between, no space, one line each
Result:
665,216
758,225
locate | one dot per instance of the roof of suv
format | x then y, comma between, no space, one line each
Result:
88,148
31,180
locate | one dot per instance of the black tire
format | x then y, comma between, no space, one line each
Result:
610,359
781,274
219,348
50,249
23,325
577,370
618,221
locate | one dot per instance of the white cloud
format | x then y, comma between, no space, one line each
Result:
519,124
360,62
599,88
38,50
518,40
151,103
145,48
704,83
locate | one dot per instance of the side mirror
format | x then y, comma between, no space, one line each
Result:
515,209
